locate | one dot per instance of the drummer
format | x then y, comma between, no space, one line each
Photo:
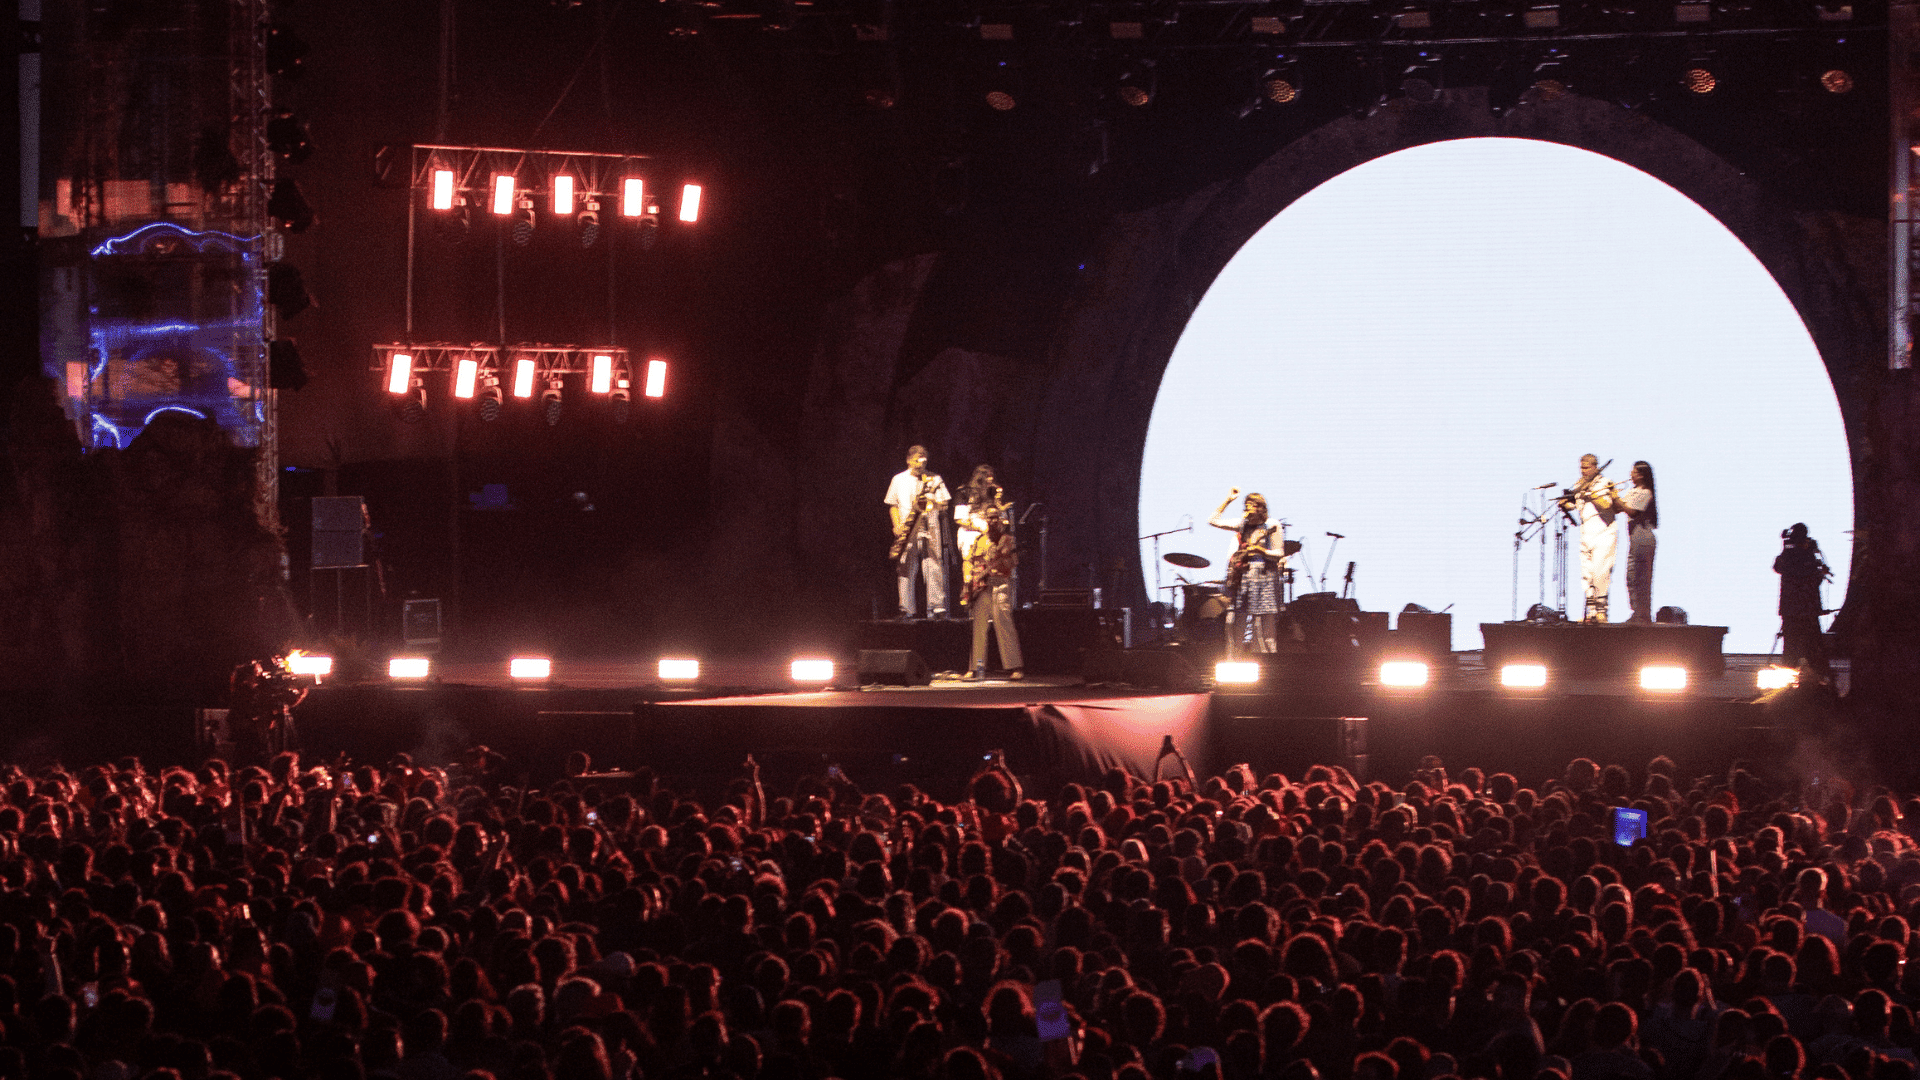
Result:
1252,574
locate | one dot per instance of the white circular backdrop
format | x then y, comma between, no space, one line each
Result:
1405,351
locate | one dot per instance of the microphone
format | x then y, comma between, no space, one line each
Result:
1338,536
1546,485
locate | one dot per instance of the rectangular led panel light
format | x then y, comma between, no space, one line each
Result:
1523,675
530,667
812,670
1403,673
678,669
1236,672
408,667
1663,677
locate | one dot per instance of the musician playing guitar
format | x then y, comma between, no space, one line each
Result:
1253,573
916,503
990,595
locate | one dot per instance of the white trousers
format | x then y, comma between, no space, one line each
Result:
1598,538
924,562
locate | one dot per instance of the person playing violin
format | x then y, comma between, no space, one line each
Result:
1253,574
1598,505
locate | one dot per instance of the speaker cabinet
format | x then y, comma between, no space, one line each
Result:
893,667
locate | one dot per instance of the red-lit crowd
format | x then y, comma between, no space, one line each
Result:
414,923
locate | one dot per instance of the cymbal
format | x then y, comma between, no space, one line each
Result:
1191,562
1290,547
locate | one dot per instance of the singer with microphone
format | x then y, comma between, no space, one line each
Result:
1253,574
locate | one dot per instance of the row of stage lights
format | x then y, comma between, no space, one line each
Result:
505,196
606,377
819,671
804,670
1411,674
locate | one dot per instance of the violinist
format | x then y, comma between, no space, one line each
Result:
1597,504
1253,573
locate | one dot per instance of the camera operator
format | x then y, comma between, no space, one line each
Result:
1801,571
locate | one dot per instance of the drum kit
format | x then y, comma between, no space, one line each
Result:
1204,604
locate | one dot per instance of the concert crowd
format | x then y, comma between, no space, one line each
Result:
411,923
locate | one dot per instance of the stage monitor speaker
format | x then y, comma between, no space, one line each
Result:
893,667
339,524
1146,669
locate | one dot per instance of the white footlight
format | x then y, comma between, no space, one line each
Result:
301,663
1663,677
679,669
808,670
1523,675
1403,673
530,667
408,667
1776,678
1236,672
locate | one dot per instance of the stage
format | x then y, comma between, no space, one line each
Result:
1052,729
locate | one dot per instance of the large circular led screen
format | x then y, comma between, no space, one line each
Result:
1411,352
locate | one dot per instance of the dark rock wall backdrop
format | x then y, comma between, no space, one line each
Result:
143,567
1068,430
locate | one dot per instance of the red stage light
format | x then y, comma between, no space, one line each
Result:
399,373
563,194
465,376
523,377
633,197
443,189
690,203
503,195
602,373
656,378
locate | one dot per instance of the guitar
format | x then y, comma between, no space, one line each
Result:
1237,562
902,542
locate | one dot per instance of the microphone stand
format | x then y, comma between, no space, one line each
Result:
1043,541
1155,537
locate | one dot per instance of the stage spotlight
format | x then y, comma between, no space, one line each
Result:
562,195
490,397
408,667
289,209
442,189
1836,81
812,670
590,225
1136,86
1403,673
523,223
1280,84
1663,677
399,373
414,408
550,402
1523,675
523,371
305,663
656,379
1698,78
530,667
1236,673
1420,82
287,138
690,203
1001,101
465,374
602,373
502,195
287,290
679,669
1550,79
633,197
1776,677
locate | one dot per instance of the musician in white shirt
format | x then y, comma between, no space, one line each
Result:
923,555
1598,507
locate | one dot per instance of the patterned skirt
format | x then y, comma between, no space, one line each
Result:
1258,594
